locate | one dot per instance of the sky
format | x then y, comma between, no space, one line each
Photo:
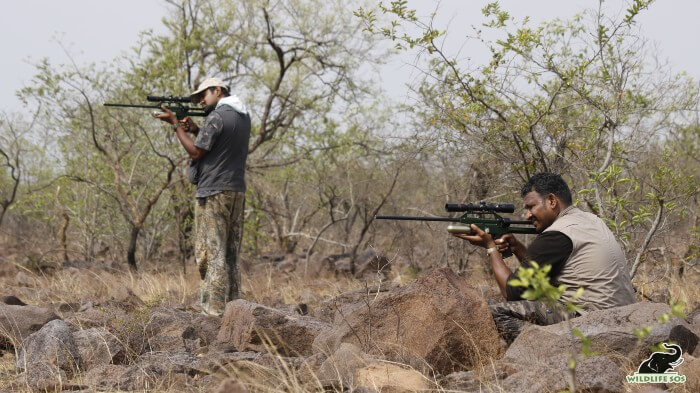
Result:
100,30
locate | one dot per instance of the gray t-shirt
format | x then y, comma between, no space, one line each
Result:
225,135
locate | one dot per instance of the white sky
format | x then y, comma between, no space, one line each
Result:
100,30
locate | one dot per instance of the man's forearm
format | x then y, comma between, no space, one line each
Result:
500,270
519,253
187,143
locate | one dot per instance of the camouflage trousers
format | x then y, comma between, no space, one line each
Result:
511,317
217,244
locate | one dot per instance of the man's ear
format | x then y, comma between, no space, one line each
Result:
552,201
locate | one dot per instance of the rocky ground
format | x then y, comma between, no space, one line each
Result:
90,329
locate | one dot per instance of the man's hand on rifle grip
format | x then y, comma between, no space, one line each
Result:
509,241
190,125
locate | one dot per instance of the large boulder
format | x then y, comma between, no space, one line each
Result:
251,326
611,331
49,357
98,346
18,322
439,321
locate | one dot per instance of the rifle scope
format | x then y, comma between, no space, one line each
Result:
181,99
480,207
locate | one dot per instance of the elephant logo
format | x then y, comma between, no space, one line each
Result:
658,368
661,362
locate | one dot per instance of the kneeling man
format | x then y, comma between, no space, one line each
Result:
578,245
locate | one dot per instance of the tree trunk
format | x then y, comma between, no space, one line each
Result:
131,253
63,235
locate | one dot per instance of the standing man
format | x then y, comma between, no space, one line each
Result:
218,160
578,245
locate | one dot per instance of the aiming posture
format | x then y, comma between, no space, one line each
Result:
217,168
581,249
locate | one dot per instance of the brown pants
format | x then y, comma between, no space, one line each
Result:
511,317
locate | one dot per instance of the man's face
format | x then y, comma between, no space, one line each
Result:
210,97
542,211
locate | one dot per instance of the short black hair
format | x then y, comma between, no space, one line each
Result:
545,183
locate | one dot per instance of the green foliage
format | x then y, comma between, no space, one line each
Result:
636,7
568,96
296,64
537,282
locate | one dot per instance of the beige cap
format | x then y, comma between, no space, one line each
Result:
207,83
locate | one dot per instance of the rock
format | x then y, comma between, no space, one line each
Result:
339,369
215,362
308,371
161,371
350,368
230,385
125,298
251,326
178,331
460,380
389,377
97,346
49,356
491,293
91,315
12,301
23,279
41,383
438,320
691,369
65,308
610,331
18,322
695,317
103,377
327,309
595,374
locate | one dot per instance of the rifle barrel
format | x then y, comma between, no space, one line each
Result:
410,218
132,105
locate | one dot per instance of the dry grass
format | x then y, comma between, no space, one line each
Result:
265,285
